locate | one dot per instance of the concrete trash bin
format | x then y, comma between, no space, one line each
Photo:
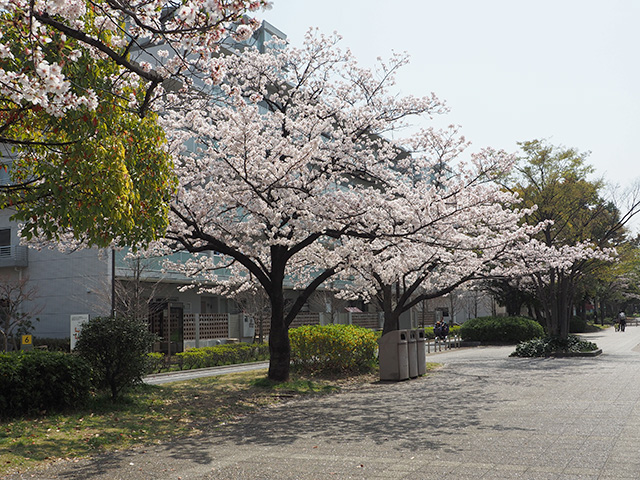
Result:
413,354
422,354
394,355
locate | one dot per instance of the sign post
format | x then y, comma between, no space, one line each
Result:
27,342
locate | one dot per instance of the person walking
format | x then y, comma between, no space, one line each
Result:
622,320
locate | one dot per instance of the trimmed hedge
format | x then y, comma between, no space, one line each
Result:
40,381
545,347
501,329
226,354
332,349
155,362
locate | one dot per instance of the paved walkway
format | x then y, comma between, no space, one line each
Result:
160,378
482,416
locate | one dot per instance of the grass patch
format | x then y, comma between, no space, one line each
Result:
154,414
149,415
596,327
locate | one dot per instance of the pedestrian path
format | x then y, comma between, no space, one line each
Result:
483,415
160,378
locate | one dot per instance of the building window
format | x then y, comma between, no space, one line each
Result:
5,237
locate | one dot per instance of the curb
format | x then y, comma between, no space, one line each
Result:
593,353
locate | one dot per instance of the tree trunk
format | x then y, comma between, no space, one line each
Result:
279,345
391,322
279,348
556,298
567,295
513,303
391,315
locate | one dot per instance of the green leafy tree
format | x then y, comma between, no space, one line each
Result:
97,171
581,225
116,349
80,82
615,286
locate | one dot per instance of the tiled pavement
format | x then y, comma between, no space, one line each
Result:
482,416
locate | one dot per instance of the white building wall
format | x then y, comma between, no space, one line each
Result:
67,284
64,283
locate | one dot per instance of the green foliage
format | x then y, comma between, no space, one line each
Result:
227,354
544,347
37,381
101,173
577,325
559,181
332,349
52,344
501,329
116,349
155,361
112,180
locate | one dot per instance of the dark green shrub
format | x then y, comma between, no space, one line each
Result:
500,329
52,344
577,325
227,354
39,381
333,348
544,347
116,349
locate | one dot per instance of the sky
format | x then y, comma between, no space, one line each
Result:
567,71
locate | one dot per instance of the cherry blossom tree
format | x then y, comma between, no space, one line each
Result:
286,162
151,41
457,225
80,84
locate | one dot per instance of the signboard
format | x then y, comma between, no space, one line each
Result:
248,327
76,322
27,342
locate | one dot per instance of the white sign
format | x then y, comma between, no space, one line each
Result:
248,327
76,322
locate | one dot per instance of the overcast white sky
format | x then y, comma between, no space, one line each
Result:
510,70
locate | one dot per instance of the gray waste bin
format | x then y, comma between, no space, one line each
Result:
413,354
422,354
394,355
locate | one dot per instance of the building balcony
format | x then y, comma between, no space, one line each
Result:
14,256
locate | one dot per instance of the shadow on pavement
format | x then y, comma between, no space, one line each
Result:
430,413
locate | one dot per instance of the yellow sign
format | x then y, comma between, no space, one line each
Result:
26,339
